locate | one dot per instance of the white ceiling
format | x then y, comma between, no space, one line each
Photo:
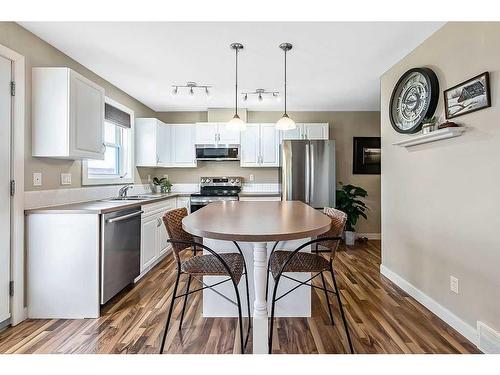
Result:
333,66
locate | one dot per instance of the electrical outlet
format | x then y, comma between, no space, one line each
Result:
37,179
65,178
454,284
251,177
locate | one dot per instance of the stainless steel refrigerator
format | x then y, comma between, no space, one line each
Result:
308,172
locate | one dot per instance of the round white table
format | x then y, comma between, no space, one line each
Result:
258,223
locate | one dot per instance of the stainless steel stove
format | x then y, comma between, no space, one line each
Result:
213,189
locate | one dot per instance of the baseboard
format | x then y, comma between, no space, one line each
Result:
370,236
469,332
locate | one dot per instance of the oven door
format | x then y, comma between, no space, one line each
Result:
195,206
217,153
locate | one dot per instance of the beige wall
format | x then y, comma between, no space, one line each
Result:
39,53
440,205
343,127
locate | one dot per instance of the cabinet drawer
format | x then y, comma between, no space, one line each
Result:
155,208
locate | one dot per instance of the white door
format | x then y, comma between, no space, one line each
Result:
183,138
149,241
293,134
269,145
250,146
316,131
87,118
5,126
206,133
163,142
228,136
163,236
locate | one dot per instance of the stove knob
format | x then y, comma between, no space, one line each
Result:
202,180
207,180
237,180
232,181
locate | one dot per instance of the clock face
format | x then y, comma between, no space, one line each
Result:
414,98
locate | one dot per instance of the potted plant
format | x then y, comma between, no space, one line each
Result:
164,184
348,201
429,125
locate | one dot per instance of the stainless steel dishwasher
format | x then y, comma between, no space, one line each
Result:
120,250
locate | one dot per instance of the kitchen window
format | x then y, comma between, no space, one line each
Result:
117,166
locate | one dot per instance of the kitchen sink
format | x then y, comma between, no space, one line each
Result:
130,198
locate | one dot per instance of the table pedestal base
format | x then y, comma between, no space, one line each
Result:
260,320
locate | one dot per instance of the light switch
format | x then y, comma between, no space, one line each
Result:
37,179
65,178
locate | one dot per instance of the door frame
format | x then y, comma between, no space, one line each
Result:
17,308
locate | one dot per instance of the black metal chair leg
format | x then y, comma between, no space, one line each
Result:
341,309
240,317
185,301
271,325
248,293
170,311
327,299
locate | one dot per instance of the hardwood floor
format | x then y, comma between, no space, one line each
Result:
382,318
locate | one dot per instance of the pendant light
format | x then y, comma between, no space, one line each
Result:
285,122
236,123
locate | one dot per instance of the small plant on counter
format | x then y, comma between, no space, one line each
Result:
164,184
348,201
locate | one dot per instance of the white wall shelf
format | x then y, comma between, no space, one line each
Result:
436,135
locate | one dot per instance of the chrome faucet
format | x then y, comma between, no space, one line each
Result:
122,193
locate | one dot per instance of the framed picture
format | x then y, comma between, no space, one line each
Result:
366,155
469,96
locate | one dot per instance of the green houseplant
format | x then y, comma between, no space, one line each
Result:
164,184
348,201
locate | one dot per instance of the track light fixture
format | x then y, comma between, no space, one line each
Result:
191,86
261,94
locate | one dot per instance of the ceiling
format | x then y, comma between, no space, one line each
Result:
333,66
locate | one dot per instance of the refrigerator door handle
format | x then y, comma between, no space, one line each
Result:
308,173
311,172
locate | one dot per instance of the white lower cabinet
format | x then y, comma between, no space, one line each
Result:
154,236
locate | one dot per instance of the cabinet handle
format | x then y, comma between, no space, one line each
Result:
158,224
103,147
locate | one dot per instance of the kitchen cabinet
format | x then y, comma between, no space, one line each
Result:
216,133
67,115
154,236
182,143
311,131
260,146
184,202
164,145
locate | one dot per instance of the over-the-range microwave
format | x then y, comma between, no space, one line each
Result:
209,152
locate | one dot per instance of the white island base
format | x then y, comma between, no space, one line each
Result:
296,304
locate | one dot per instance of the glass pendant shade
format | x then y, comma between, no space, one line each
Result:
236,124
285,123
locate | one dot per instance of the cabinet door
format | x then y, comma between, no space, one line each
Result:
228,136
250,146
293,134
163,245
86,121
316,131
163,142
269,145
183,202
206,133
183,138
149,241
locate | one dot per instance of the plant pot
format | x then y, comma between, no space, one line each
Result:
154,188
350,237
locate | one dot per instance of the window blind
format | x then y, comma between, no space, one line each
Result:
117,116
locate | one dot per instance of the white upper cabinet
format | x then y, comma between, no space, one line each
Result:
311,131
216,133
164,145
260,146
183,139
67,115
206,133
315,131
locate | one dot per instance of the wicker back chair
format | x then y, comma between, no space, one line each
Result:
285,261
208,264
173,223
339,219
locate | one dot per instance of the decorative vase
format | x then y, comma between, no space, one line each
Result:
350,237
154,188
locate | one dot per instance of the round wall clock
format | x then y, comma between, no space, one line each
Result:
413,99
